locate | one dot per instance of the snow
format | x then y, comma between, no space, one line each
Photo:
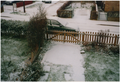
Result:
46,68
67,54
67,77
13,76
81,19
63,55
22,65
30,10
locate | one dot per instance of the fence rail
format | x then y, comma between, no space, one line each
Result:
81,37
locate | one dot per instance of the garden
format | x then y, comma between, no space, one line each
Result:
101,62
22,42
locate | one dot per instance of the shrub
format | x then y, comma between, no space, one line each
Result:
94,44
114,49
13,27
36,29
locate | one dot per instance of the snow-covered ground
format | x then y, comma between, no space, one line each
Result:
63,63
63,60
80,20
31,10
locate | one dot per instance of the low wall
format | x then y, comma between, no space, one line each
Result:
65,13
94,13
113,16
61,12
19,4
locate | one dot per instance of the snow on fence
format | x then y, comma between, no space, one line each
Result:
81,37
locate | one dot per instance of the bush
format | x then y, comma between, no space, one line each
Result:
13,27
36,29
114,49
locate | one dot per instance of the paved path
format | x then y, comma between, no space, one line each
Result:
63,62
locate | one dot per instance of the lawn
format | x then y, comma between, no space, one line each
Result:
14,52
101,65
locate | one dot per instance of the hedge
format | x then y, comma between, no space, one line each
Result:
14,27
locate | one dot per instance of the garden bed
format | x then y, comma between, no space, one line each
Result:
14,52
101,64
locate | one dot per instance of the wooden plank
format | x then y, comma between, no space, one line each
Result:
64,36
90,36
80,36
83,37
70,39
67,36
107,38
115,40
86,37
73,37
112,39
95,36
103,37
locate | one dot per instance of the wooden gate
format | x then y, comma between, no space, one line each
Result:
63,36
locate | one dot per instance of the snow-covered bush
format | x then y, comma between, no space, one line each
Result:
13,27
36,29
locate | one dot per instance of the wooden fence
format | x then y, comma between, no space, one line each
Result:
81,37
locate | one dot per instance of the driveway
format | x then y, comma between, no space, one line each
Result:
63,62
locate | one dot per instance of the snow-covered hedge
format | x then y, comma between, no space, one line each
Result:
13,27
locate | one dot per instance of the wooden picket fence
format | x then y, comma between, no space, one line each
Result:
81,37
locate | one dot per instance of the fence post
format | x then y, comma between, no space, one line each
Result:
115,40
64,35
47,33
83,37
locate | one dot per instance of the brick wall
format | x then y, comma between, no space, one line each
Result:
111,6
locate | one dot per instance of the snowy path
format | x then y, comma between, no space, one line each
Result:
63,62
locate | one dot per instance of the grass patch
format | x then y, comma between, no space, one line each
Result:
101,66
13,52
